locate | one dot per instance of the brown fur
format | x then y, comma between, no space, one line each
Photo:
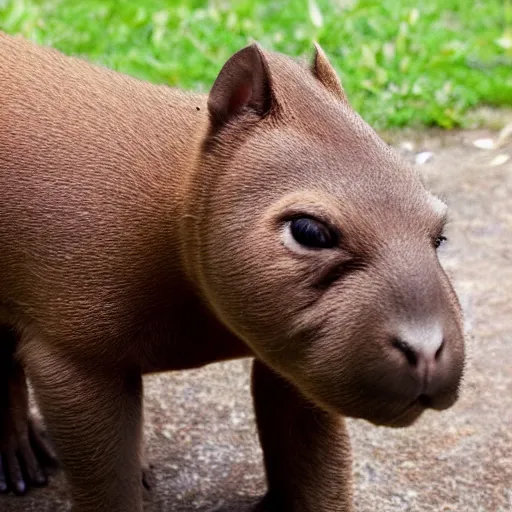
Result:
142,230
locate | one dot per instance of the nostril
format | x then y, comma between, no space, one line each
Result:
407,350
439,351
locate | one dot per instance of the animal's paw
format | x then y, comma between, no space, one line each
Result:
25,452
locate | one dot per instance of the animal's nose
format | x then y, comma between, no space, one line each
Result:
425,364
419,357
420,342
425,360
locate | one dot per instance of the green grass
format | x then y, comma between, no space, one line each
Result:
402,62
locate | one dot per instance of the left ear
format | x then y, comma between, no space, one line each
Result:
326,75
244,83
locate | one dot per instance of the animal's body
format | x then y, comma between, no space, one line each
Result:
145,229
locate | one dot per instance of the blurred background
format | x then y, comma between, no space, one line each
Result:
402,62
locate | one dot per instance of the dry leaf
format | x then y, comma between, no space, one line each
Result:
499,160
407,146
484,143
424,157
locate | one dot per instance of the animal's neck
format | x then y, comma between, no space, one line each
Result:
164,164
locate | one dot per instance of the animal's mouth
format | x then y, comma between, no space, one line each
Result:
411,412
425,401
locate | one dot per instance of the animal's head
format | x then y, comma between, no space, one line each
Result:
316,244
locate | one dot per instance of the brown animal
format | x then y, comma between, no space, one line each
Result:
144,229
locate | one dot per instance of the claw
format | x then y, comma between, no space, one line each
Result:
15,474
20,488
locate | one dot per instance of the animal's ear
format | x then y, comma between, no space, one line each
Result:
244,83
325,73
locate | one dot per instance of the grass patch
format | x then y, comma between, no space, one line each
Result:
402,62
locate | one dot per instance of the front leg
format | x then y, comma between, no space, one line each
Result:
94,414
306,450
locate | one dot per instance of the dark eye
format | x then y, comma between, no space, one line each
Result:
439,240
312,233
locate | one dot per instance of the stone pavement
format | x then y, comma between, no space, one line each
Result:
199,424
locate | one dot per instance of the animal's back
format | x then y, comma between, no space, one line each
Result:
89,164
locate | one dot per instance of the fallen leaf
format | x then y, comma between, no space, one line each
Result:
424,157
484,143
499,160
407,146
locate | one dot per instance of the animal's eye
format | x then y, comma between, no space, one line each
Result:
439,240
312,233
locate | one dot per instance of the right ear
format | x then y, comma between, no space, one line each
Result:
326,74
244,83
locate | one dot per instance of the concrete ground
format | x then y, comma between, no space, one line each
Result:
199,424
